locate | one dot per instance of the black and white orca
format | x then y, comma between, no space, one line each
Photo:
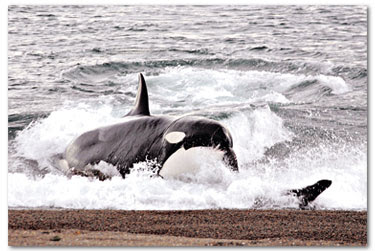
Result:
172,142
168,140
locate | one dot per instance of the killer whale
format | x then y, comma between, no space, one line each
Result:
146,137
168,140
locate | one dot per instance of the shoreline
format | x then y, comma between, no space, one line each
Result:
222,227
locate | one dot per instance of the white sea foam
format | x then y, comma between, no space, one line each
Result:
203,87
255,131
214,186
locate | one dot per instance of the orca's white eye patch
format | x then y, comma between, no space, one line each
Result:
175,137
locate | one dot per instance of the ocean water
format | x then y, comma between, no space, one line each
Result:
289,82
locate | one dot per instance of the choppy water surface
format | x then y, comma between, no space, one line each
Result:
290,83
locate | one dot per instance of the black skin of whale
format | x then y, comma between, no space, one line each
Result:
142,138
310,193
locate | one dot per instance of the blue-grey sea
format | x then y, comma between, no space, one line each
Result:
289,82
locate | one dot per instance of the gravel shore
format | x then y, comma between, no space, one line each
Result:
186,228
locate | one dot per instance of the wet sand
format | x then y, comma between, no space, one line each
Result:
186,228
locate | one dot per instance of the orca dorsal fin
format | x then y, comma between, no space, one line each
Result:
141,102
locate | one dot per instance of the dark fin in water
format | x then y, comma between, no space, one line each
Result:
141,102
310,193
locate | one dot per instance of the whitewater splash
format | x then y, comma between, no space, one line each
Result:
214,186
35,181
258,185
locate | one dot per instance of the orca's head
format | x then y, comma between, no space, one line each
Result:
191,132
